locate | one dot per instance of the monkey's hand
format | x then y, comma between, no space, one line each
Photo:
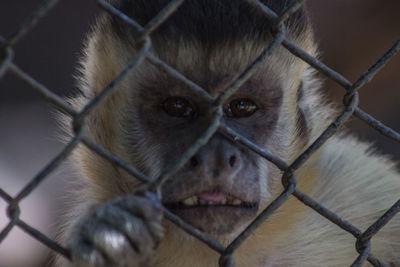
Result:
122,232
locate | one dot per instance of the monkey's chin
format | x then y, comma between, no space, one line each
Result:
218,220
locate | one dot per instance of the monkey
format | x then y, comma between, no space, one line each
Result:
153,117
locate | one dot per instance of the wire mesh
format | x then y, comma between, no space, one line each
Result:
351,108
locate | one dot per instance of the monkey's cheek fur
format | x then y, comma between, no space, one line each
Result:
216,220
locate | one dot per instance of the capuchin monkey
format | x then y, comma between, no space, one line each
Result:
154,117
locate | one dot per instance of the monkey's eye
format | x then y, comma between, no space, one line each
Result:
241,108
178,107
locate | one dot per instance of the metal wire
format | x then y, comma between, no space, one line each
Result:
350,100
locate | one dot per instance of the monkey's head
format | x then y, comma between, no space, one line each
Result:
154,117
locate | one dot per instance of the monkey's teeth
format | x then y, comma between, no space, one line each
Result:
195,201
233,201
191,201
236,202
229,201
188,202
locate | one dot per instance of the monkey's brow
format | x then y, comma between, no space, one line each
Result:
260,86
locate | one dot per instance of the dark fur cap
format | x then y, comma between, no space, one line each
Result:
208,21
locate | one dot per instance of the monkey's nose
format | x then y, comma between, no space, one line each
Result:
215,163
232,161
194,162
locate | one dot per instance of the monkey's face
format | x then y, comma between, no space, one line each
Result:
222,187
153,118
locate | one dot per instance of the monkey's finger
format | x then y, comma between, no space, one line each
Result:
145,208
114,246
83,254
148,208
133,227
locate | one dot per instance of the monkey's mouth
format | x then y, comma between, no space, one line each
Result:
211,199
214,212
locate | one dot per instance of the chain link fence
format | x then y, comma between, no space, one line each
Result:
350,102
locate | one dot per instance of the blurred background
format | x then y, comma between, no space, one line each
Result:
351,36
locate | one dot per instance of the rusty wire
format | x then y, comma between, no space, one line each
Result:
350,100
